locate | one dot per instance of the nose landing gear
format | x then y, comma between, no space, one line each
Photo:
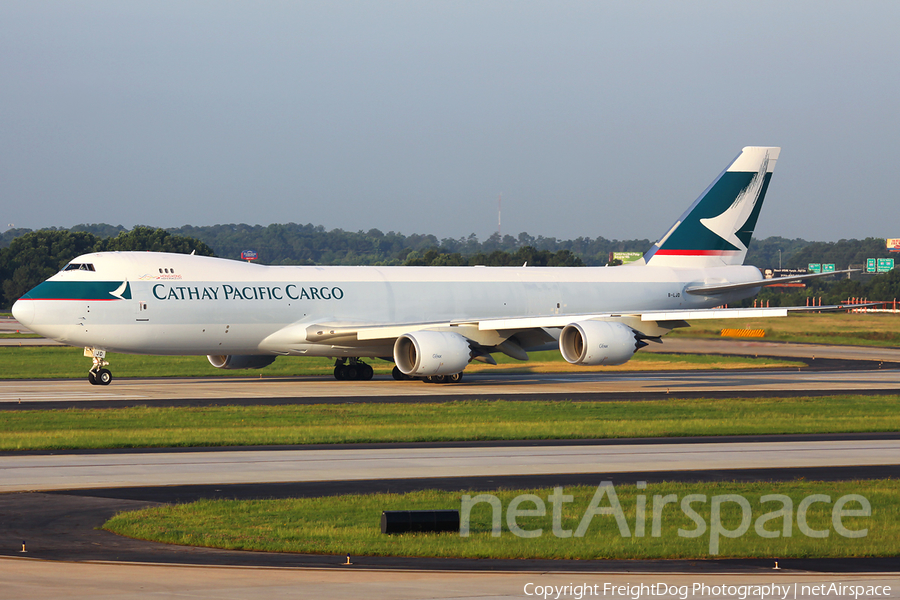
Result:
98,375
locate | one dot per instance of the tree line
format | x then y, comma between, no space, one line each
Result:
295,244
27,257
527,256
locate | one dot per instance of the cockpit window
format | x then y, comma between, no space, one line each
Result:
79,267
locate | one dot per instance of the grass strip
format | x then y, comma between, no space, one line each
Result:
351,524
60,362
141,427
853,329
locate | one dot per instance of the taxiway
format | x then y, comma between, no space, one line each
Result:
66,471
576,386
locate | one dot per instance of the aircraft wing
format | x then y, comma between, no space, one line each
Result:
668,316
669,319
328,333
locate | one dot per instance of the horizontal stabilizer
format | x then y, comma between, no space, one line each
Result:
712,290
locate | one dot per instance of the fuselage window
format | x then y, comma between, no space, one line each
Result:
160,270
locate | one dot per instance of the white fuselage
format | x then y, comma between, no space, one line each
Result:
180,304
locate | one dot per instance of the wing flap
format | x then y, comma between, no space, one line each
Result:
383,332
550,321
714,313
739,313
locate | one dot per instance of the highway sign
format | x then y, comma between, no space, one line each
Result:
829,268
885,265
871,265
814,267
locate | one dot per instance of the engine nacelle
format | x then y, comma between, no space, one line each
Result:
245,361
424,353
598,343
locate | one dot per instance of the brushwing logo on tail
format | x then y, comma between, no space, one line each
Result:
727,224
717,228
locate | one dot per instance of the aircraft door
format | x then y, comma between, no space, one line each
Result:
142,314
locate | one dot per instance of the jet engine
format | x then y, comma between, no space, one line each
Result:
424,353
245,361
599,343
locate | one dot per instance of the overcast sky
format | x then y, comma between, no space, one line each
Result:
591,118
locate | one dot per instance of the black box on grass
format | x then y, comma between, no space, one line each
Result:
401,521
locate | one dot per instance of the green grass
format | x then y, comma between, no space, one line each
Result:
60,362
459,420
351,524
853,329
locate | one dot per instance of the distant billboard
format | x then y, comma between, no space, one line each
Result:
248,255
893,244
770,273
625,257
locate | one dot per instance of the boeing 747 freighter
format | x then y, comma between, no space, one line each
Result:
430,321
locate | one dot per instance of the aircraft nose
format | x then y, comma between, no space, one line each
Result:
23,311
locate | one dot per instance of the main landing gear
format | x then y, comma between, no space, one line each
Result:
98,375
355,371
453,378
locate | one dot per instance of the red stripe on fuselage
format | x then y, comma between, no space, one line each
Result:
696,252
76,299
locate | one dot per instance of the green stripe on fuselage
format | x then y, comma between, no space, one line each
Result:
78,290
